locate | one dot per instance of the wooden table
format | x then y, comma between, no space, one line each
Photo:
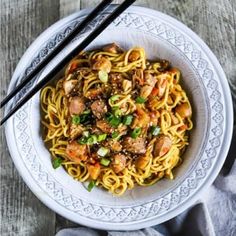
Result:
23,20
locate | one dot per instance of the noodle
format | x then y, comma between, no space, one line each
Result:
117,119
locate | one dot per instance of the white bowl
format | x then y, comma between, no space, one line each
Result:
208,90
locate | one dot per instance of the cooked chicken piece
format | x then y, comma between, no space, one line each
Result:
161,87
94,170
138,77
75,131
76,106
162,145
149,79
141,119
99,108
76,152
104,126
142,161
114,145
103,64
134,56
149,84
94,93
127,85
154,116
136,146
161,84
69,85
116,80
119,162
184,110
112,48
146,91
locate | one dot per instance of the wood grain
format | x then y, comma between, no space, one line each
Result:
22,21
21,212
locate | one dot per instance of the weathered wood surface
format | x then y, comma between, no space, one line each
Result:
22,214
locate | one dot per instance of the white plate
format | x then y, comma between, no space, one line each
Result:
207,87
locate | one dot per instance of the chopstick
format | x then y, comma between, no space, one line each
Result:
95,12
107,21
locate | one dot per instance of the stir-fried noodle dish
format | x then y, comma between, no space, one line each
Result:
117,119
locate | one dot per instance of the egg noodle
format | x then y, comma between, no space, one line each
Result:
148,92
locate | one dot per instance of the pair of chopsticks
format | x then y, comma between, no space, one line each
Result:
98,30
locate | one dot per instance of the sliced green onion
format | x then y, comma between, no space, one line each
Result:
57,162
127,120
109,116
76,119
103,76
117,111
102,137
84,118
105,162
91,185
155,130
140,100
114,97
86,112
83,140
102,151
92,139
135,133
115,134
113,120
86,133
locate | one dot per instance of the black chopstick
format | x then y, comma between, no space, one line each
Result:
95,12
107,21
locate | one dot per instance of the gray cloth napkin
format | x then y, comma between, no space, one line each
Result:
213,215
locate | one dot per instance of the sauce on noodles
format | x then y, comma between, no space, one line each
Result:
117,119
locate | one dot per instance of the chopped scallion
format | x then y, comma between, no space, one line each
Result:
155,130
114,97
102,151
117,112
135,133
57,162
105,162
113,120
82,140
140,100
84,118
76,119
86,112
92,139
86,133
103,76
115,134
91,185
102,137
127,120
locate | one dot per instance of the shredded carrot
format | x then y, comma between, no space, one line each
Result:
73,66
154,91
183,127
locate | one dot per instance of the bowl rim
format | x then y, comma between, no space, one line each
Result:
127,225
